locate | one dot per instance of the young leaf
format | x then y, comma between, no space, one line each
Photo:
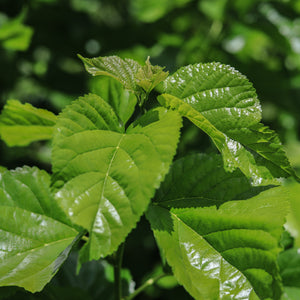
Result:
106,177
123,70
223,103
122,101
36,237
219,249
21,124
148,77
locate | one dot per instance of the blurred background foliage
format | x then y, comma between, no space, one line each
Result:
39,40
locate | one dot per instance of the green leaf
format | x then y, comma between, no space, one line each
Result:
14,35
293,220
105,177
151,10
148,77
21,124
35,235
123,70
289,264
2,169
122,101
218,249
222,102
291,293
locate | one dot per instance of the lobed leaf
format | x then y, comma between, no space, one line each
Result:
105,177
223,103
21,124
219,248
36,237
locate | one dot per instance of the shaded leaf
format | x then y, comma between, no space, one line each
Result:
122,101
289,263
106,178
35,236
222,102
218,249
21,124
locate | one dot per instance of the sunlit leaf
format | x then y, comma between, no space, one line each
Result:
224,104
36,237
106,177
21,124
219,248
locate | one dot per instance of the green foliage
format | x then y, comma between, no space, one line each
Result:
36,236
223,103
123,102
114,180
112,162
233,247
21,124
14,35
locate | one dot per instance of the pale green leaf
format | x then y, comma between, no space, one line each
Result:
123,70
21,124
2,169
148,77
122,101
219,249
291,293
293,218
36,236
224,104
105,177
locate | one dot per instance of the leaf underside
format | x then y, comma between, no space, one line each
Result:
223,103
218,247
104,176
36,237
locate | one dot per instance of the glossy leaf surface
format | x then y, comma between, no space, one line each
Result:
106,178
122,101
219,249
35,235
21,124
224,104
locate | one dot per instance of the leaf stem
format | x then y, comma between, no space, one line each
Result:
146,284
118,258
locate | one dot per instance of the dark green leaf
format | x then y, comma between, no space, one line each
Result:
289,263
